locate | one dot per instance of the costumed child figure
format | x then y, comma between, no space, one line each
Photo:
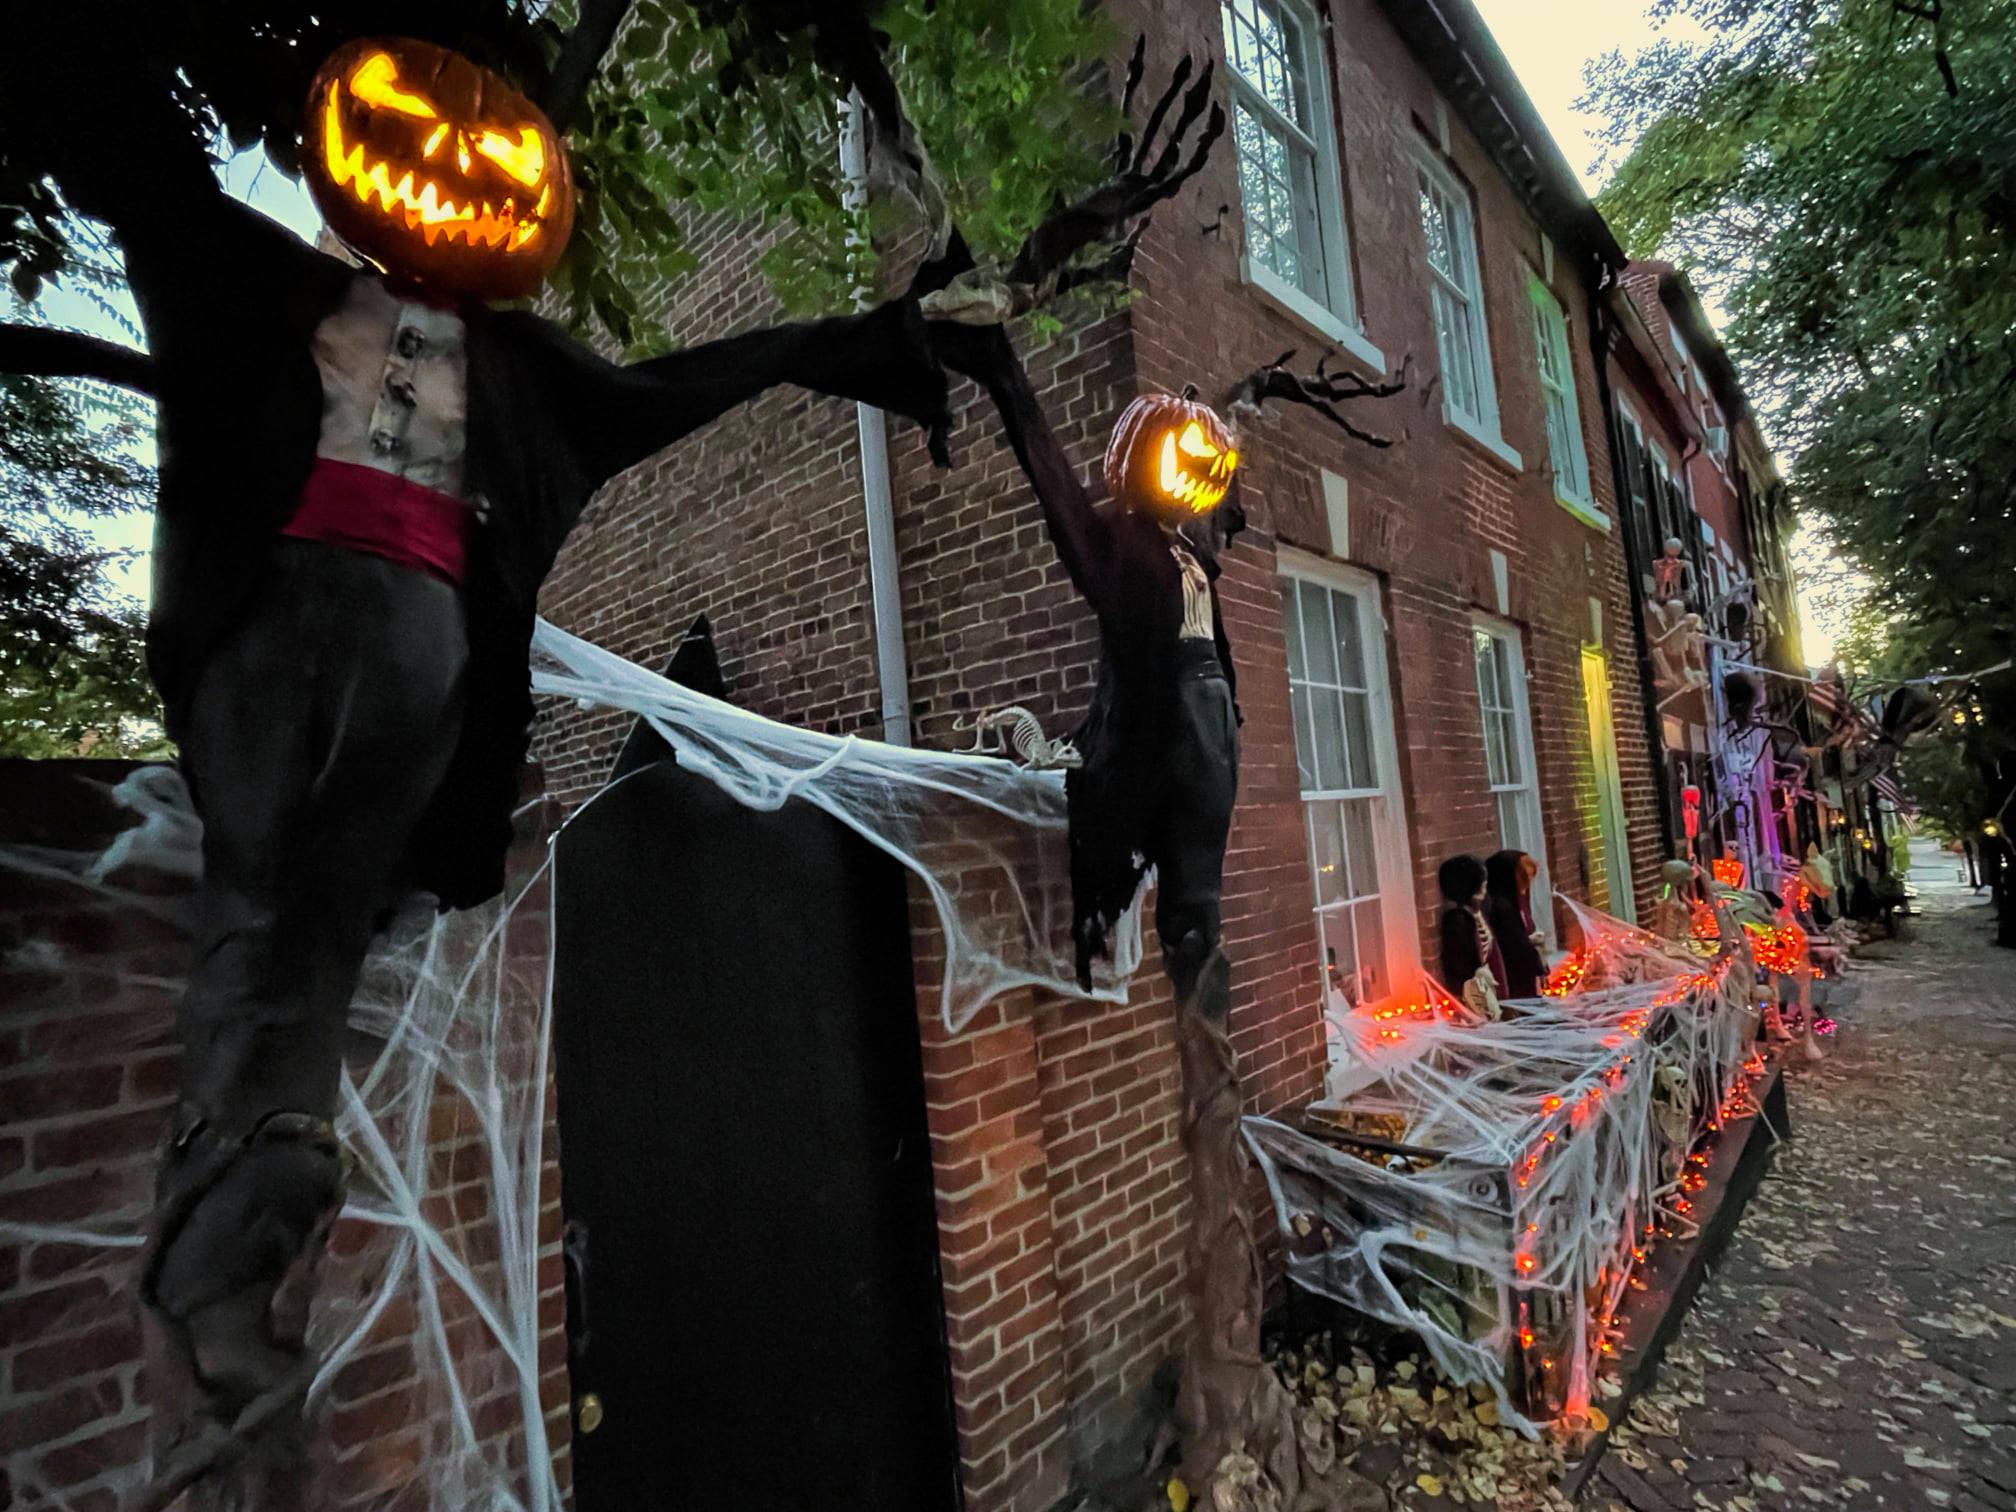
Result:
365,476
1508,908
1473,967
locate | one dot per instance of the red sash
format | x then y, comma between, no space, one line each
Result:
363,509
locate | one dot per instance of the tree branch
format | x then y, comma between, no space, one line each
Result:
45,353
1321,391
580,57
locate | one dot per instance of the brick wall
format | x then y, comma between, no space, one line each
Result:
88,1072
1061,1200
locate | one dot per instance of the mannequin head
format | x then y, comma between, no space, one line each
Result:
1462,880
437,168
1509,874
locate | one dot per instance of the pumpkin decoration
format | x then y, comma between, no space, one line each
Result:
1170,454
436,168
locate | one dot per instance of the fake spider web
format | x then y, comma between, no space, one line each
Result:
435,1280
1492,1187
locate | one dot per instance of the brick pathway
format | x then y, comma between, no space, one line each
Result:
1858,1347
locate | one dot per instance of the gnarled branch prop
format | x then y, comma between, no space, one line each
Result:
1322,391
1052,258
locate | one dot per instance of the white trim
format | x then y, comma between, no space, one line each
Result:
1337,509
1510,636
1398,905
1588,514
1324,321
1467,428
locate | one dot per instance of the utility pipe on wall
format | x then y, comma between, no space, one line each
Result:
885,584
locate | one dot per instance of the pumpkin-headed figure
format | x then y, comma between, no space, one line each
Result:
1171,456
437,169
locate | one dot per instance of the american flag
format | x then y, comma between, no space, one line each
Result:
1891,792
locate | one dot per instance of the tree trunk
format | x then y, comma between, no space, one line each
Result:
1230,1402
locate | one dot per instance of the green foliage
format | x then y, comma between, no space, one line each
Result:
1839,173
72,664
682,126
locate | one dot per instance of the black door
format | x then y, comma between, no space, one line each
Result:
753,1298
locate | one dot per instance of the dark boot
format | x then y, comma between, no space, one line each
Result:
240,1227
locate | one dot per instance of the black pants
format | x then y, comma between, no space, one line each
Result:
318,730
1194,815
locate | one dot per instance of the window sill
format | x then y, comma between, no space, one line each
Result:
1492,446
1323,322
1584,511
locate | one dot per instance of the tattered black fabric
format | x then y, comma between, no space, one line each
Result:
1151,788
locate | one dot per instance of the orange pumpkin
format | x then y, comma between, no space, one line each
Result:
436,168
1170,455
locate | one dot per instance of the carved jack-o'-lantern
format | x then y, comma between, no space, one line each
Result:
437,168
1170,455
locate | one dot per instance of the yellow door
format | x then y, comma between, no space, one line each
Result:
1614,848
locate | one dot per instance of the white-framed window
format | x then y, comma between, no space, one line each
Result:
1468,393
1349,768
1508,751
1565,448
1290,175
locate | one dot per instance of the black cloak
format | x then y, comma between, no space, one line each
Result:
1120,562
1511,926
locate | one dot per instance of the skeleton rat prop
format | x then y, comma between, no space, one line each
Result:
364,479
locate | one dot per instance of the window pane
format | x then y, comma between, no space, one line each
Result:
1508,741
1340,959
1309,225
1326,852
1373,978
1487,668
1291,625
1305,764
1328,722
1511,833
1435,226
1319,640
1355,814
1344,610
1452,341
1494,750
1363,770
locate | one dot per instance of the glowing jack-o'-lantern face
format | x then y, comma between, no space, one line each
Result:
1170,456
437,168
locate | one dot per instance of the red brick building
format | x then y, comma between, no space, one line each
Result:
1698,471
1436,642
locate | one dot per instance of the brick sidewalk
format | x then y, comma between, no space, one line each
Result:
1858,1347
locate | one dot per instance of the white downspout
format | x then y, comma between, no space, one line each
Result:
885,586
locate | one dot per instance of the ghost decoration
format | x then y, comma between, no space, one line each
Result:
437,169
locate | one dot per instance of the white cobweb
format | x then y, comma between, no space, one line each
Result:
1491,1187
431,1295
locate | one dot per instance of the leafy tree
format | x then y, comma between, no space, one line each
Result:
73,677
1839,174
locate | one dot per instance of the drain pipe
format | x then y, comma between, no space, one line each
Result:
885,586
